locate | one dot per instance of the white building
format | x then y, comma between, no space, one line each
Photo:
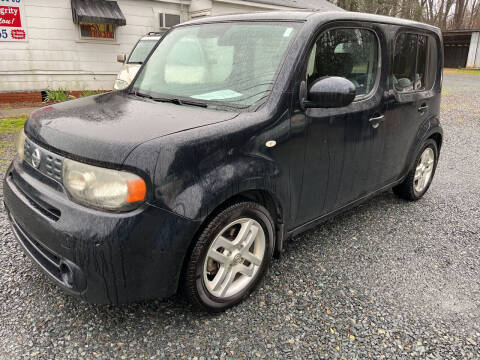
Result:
73,44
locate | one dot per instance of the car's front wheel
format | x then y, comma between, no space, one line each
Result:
230,256
420,176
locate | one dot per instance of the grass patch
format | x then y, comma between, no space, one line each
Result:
12,125
466,71
463,71
91,92
9,128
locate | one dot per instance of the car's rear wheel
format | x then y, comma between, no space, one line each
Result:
230,256
421,175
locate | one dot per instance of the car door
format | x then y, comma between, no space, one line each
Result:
344,145
412,76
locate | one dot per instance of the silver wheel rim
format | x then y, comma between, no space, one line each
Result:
234,258
424,170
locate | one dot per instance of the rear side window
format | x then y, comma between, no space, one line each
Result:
141,51
414,63
346,52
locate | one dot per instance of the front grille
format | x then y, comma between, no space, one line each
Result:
50,164
53,167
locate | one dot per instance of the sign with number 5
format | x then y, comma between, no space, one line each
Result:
12,21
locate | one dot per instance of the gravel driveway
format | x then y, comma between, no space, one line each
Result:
389,279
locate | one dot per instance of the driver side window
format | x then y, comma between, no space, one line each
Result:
346,52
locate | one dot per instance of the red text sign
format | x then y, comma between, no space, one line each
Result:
18,34
10,16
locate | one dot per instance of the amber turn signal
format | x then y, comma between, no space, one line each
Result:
137,190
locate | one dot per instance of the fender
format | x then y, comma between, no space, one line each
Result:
197,172
428,128
213,188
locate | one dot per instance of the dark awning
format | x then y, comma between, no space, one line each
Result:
97,11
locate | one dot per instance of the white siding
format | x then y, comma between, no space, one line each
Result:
54,57
226,8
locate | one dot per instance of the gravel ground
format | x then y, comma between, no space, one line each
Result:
389,279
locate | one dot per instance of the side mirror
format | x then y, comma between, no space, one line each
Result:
122,58
330,92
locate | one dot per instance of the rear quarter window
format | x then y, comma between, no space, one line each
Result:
414,62
141,51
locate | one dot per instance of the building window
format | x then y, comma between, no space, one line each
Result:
168,20
97,31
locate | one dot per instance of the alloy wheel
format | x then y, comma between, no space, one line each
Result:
424,170
234,258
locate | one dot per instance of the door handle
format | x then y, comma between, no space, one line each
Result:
423,107
375,121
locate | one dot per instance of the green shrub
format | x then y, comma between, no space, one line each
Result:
56,95
62,95
91,92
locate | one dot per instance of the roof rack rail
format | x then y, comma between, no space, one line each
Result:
152,33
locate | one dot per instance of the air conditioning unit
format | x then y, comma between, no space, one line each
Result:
168,20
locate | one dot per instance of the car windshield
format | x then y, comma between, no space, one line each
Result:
141,51
233,64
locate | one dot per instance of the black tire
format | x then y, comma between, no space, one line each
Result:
193,282
406,189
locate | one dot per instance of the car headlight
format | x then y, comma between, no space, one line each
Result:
103,188
20,144
120,84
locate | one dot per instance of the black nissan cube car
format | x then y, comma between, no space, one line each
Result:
237,133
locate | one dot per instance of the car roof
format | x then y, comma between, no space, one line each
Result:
298,15
313,16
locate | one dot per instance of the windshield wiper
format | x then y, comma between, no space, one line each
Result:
139,94
181,102
175,101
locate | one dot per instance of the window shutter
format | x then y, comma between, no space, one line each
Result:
161,21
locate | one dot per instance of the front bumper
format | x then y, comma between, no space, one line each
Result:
101,257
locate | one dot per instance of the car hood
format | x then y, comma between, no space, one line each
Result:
107,127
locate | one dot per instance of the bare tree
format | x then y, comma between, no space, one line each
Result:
446,14
474,13
459,13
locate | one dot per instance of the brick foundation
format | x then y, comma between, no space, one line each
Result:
18,98
32,98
